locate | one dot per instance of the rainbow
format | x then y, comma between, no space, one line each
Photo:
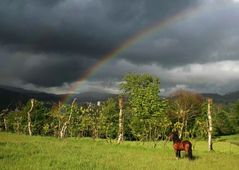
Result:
138,37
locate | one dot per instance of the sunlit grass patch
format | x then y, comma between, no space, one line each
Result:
25,152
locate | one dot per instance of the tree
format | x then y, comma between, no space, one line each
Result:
109,119
224,120
3,117
185,107
31,118
146,107
235,116
200,127
67,122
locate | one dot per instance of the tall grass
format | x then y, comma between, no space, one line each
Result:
25,152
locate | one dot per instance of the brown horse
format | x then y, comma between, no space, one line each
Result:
179,145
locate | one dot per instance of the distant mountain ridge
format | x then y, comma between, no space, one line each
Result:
11,96
227,98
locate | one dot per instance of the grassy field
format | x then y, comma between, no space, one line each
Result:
24,152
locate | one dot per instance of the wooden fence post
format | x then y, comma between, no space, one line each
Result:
209,114
4,115
29,117
121,120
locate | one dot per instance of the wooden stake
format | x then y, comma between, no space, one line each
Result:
121,120
4,114
209,114
29,117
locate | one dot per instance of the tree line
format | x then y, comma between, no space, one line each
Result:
145,116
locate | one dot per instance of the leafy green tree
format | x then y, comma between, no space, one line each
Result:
109,119
235,116
200,126
222,123
17,120
57,116
40,117
74,128
86,121
148,118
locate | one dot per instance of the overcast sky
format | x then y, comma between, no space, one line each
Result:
48,45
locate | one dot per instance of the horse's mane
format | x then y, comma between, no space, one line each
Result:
174,136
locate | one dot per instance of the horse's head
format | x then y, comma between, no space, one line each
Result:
173,136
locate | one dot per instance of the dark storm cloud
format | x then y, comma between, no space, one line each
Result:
42,69
64,26
85,26
50,43
54,71
80,32
212,36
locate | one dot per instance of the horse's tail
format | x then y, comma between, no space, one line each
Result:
190,153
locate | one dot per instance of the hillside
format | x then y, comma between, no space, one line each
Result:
227,98
12,96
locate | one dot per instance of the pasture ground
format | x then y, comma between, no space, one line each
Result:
36,152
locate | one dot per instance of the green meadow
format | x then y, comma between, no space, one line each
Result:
25,152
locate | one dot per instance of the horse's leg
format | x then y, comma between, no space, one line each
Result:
179,154
176,152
